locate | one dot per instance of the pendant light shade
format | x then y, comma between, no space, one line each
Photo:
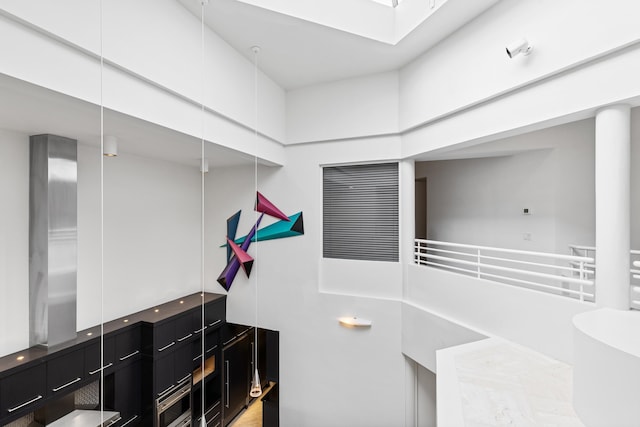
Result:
256,388
110,148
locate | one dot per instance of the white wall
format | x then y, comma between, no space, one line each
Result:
481,200
560,31
14,243
324,367
147,66
348,108
426,397
151,236
534,319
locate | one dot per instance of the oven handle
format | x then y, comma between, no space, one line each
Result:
170,400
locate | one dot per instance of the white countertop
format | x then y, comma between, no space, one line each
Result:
84,418
494,382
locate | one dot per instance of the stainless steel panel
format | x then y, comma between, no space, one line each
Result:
52,239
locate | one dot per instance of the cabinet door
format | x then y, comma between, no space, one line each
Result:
164,374
164,336
95,353
128,344
184,327
23,390
128,390
237,363
183,363
214,314
65,372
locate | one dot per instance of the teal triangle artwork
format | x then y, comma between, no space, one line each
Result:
279,230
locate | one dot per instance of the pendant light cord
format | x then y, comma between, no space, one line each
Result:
101,215
202,210
256,51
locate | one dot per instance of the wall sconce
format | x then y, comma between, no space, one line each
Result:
354,322
110,146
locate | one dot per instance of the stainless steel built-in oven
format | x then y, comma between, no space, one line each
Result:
174,407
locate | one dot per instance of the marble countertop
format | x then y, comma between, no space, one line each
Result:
494,382
84,418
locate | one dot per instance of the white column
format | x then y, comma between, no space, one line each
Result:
407,214
613,224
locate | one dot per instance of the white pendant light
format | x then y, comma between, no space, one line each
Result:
110,146
256,387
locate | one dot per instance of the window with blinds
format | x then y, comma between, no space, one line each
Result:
360,212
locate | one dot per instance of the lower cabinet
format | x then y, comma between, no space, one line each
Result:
128,387
23,390
236,367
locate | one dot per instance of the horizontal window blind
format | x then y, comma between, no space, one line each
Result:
360,212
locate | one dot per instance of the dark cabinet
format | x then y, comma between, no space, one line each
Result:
214,314
128,391
164,336
128,344
99,353
236,376
184,327
164,374
64,372
23,390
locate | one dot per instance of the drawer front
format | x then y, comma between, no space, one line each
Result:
95,353
164,374
211,344
164,336
214,314
23,390
183,364
128,345
65,372
185,327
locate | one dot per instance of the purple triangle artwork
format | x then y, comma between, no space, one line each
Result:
237,256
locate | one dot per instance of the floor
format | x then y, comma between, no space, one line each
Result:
252,416
494,382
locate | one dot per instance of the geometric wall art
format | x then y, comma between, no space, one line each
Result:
237,256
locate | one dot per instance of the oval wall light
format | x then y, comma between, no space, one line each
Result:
354,322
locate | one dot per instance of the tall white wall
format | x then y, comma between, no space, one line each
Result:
14,243
151,236
481,200
320,361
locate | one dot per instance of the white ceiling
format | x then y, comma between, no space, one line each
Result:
297,52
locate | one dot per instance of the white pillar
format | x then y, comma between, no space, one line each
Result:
407,214
613,223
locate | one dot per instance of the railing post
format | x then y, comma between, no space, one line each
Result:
582,278
478,262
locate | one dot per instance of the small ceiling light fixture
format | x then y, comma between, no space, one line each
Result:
520,46
110,146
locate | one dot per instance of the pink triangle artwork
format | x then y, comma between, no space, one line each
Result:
265,206
286,226
246,261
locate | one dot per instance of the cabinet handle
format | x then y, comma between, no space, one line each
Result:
66,385
216,322
114,421
200,330
165,390
197,357
167,346
130,421
184,379
226,382
25,404
212,348
217,403
185,337
231,340
99,369
129,355
186,422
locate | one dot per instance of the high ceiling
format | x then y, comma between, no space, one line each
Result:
304,42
